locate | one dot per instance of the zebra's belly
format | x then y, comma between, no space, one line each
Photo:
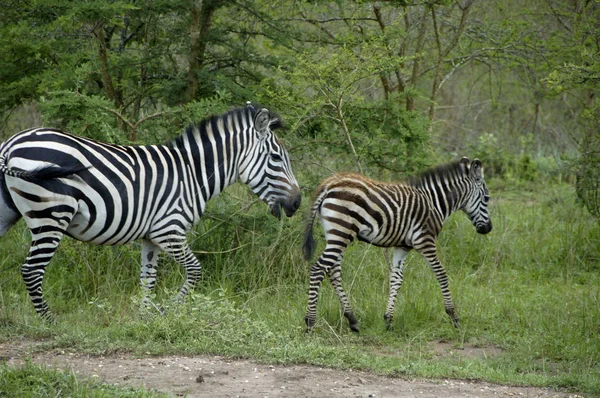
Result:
100,230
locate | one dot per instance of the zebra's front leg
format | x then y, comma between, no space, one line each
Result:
182,254
396,278
150,254
430,254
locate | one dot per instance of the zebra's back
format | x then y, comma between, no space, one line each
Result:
61,184
118,192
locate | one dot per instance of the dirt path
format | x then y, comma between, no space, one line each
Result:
213,376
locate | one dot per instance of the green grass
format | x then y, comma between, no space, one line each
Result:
36,381
528,292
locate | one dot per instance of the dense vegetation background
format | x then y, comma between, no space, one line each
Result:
386,88
392,85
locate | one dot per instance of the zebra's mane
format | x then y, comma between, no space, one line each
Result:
200,127
445,171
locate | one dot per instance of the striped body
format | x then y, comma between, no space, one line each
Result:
402,216
111,194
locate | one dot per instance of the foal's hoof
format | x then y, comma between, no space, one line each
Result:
454,318
388,321
352,322
49,319
310,323
456,323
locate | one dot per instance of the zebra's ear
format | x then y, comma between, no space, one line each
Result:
261,122
476,170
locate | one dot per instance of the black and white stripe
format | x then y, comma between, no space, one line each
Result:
106,194
403,216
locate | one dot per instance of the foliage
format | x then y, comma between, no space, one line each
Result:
425,79
385,87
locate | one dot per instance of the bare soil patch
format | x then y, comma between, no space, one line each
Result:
215,376
445,349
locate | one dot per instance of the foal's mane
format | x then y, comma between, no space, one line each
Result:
442,172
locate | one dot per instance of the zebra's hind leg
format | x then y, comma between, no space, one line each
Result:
150,253
396,278
429,251
9,215
44,242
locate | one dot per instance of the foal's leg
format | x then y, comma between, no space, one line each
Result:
396,278
335,277
329,263
429,250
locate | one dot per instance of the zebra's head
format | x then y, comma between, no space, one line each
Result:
269,173
476,206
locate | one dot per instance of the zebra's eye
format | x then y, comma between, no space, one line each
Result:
276,157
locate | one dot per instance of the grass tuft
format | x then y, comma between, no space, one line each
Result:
528,295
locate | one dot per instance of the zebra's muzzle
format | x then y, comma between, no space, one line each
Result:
292,203
289,204
276,210
484,228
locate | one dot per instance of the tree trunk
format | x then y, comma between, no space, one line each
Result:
202,15
107,80
443,53
410,100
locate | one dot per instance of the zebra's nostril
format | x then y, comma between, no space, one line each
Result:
296,203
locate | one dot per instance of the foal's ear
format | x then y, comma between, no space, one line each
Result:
262,120
476,170
465,164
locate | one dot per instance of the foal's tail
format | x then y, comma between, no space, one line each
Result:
308,246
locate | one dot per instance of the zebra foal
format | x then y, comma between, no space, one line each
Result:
106,194
402,216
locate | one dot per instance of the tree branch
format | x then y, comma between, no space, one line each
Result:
347,134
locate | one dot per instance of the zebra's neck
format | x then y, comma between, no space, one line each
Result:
212,151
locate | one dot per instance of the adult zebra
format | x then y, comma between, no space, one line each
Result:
403,216
106,194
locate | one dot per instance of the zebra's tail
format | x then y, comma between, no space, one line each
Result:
308,246
41,173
